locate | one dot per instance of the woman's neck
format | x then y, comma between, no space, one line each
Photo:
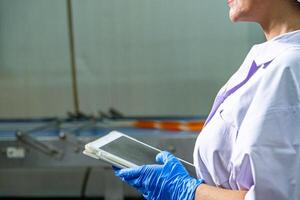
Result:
285,19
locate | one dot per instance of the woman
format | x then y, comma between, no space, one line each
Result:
249,147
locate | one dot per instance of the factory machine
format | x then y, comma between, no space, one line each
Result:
43,157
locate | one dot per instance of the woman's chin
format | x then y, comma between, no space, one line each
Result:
233,17
239,17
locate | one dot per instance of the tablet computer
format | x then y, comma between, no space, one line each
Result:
124,151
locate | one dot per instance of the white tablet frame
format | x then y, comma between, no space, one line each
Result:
93,149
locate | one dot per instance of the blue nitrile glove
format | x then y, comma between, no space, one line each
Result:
168,181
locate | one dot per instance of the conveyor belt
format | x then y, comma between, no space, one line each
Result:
43,157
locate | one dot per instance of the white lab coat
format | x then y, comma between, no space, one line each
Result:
252,142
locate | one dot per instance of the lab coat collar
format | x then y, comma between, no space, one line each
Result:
267,51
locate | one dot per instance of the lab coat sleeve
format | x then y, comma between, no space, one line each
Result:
269,137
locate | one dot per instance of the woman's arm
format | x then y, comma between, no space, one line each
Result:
206,192
169,180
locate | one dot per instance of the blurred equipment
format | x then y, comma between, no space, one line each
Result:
43,157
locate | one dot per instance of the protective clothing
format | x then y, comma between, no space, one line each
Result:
251,140
166,180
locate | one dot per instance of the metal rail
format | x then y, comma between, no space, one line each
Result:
72,57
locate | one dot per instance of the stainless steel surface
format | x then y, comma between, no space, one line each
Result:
45,148
113,187
25,171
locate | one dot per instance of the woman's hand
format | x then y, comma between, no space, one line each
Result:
166,180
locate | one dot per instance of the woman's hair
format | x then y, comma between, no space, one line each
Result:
296,2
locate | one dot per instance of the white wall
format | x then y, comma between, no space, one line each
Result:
34,58
158,57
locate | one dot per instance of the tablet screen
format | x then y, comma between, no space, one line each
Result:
131,151
136,152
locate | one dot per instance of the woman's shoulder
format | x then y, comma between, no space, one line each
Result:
289,60
279,83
